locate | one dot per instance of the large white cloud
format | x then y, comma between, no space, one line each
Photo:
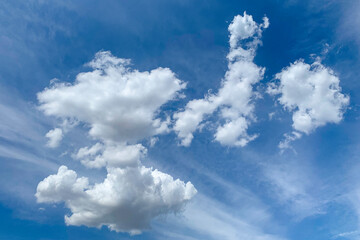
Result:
127,200
234,98
118,103
313,95
120,106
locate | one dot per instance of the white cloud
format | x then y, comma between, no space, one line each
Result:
120,106
228,134
127,200
111,155
242,27
313,95
55,136
187,121
118,103
63,185
234,98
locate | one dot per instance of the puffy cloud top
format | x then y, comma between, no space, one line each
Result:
119,103
243,27
127,200
312,93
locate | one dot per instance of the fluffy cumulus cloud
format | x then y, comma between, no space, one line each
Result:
127,200
118,103
233,101
313,95
120,106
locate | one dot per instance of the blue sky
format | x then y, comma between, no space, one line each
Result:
62,61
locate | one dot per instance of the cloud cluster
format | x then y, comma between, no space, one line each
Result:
233,101
120,106
313,95
127,200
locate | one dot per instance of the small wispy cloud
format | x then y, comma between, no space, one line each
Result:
206,218
292,185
